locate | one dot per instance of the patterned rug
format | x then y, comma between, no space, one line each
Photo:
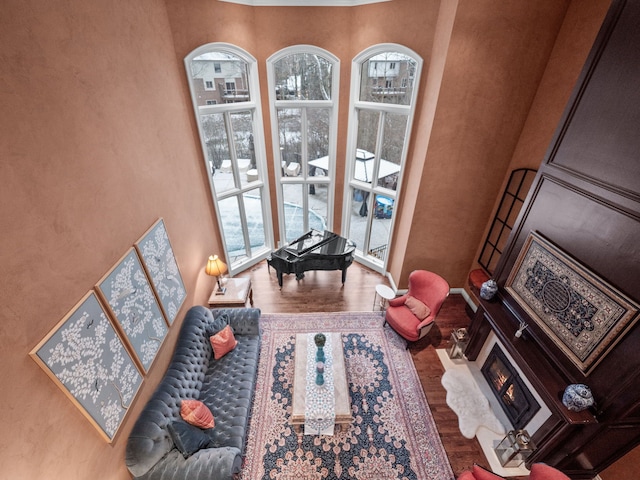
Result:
393,435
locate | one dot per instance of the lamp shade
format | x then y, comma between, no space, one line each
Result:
215,267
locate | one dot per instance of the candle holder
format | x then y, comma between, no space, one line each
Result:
515,448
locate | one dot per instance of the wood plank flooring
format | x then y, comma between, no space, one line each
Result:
322,292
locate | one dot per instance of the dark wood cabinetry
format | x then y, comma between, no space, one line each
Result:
586,200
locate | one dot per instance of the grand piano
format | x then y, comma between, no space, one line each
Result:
314,250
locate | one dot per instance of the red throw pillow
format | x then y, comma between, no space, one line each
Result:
542,471
196,413
223,342
418,308
482,474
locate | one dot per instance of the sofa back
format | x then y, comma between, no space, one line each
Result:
150,440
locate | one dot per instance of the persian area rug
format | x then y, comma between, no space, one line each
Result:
392,436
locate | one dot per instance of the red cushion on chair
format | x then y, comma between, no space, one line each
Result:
418,308
542,471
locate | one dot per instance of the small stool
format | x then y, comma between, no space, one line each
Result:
382,297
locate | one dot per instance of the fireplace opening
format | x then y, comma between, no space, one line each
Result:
514,397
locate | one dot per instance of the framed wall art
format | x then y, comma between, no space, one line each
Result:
127,293
86,358
583,314
160,262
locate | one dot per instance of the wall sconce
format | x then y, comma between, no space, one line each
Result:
216,268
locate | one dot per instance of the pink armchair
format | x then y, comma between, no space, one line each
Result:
412,315
539,471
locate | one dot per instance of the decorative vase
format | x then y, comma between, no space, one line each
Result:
488,289
319,379
320,339
577,397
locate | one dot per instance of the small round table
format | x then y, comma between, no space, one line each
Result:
382,297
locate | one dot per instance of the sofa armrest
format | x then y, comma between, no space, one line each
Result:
243,321
220,463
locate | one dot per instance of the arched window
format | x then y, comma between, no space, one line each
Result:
303,94
384,82
226,98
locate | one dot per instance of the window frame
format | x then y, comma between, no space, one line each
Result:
253,105
303,105
355,106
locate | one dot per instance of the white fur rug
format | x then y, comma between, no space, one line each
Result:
469,403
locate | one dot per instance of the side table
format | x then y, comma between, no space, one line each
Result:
382,296
236,295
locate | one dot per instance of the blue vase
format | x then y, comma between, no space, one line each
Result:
577,397
319,378
320,354
488,289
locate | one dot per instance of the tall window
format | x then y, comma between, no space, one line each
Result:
231,133
303,82
383,97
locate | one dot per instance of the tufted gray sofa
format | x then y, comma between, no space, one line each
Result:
226,386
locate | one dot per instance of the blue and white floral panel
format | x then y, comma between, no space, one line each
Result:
86,358
127,292
155,250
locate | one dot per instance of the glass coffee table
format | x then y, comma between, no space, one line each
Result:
340,384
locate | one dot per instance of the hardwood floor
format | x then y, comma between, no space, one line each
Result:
321,291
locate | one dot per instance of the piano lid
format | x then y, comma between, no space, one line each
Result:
322,243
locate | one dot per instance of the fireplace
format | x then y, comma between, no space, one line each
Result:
517,402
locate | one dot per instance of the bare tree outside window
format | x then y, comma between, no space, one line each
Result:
303,76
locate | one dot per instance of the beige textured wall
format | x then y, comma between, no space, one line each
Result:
497,54
95,144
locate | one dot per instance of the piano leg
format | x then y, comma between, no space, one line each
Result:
344,275
279,273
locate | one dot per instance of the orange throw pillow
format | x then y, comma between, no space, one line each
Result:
542,471
418,308
223,342
196,413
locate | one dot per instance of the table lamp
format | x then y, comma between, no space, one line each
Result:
216,268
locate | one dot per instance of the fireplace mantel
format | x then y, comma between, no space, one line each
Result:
585,200
543,374
541,371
